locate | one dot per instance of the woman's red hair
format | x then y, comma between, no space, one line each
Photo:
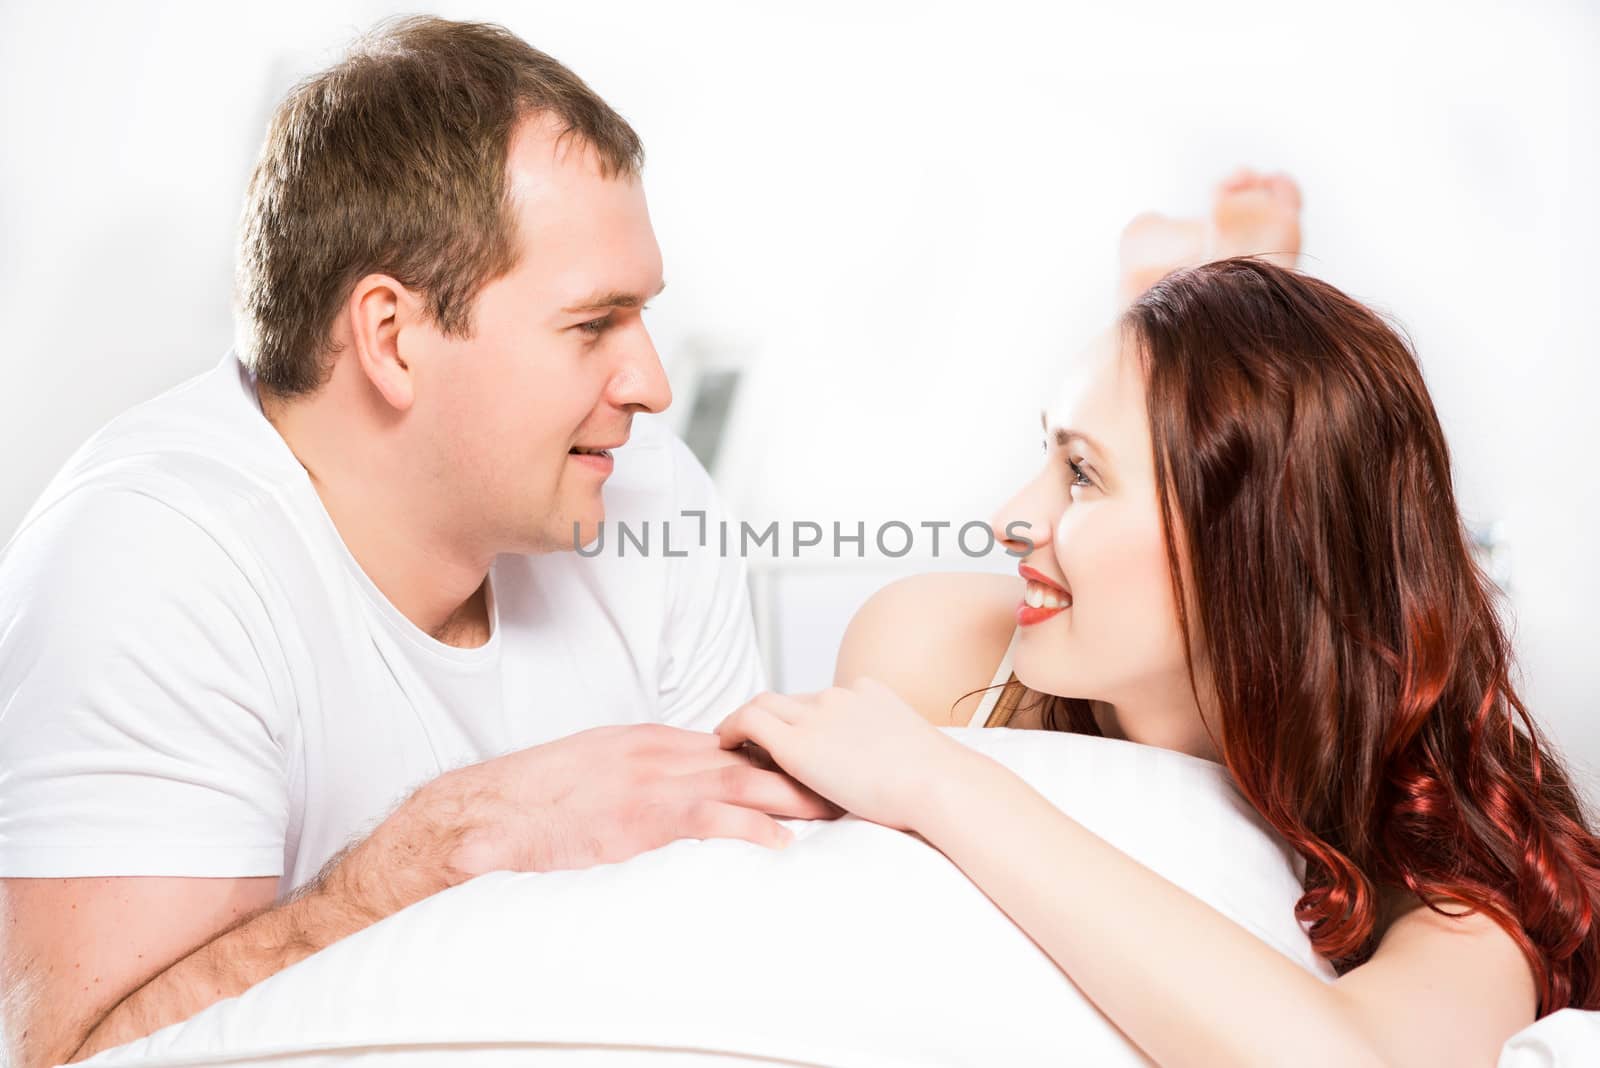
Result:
1359,669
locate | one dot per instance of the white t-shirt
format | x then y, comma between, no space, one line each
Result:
198,679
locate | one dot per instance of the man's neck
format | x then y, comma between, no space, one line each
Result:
411,564
469,627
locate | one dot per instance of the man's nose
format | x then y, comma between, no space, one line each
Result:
640,383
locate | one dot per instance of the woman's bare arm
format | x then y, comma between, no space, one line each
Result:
1187,984
933,639
1181,980
1190,986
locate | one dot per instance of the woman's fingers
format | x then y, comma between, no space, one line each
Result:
789,708
764,720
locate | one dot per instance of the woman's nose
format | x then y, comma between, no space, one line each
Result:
1023,523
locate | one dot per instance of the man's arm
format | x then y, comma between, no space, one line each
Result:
142,737
147,725
91,963
75,947
596,797
403,861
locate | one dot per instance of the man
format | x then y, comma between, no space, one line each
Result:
251,615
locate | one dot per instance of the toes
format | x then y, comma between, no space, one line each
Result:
1241,179
1278,185
1260,217
1285,189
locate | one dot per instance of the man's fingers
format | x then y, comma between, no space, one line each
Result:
750,777
714,819
712,757
757,756
766,791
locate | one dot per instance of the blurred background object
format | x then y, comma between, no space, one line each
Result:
885,227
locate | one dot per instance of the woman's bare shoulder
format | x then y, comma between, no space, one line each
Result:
933,639
1441,989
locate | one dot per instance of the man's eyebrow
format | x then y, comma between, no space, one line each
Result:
615,298
1064,434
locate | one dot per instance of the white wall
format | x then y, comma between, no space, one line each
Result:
898,217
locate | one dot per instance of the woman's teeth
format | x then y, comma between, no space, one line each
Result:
1039,595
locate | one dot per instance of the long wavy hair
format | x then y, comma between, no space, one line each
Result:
1359,668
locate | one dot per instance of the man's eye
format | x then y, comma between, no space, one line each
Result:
595,327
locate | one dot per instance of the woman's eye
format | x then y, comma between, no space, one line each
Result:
1078,476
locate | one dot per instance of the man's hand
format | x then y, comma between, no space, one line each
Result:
609,793
87,964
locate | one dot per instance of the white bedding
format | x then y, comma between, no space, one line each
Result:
856,946
1565,1039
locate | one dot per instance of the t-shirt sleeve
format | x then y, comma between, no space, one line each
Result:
142,699
711,662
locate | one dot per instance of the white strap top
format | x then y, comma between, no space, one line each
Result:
980,716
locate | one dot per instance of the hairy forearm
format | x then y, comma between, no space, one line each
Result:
1182,981
413,854
236,960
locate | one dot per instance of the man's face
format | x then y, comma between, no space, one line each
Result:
558,362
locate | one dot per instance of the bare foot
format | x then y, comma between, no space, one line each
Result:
1251,215
1256,215
1153,246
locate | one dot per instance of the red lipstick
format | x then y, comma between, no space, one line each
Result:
1029,614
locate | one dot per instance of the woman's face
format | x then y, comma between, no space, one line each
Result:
1098,619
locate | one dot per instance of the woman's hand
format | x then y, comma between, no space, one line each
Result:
860,746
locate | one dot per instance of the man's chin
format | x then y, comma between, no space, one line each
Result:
578,531
571,522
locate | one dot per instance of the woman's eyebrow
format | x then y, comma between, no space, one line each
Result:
1064,434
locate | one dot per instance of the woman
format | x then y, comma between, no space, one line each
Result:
1244,545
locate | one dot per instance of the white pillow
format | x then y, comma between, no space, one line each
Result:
1568,1038
856,945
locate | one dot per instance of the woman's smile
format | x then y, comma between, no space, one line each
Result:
1041,599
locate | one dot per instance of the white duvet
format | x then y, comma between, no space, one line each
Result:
855,946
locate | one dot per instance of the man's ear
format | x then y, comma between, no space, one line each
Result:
379,309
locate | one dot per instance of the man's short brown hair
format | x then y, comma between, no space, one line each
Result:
394,161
